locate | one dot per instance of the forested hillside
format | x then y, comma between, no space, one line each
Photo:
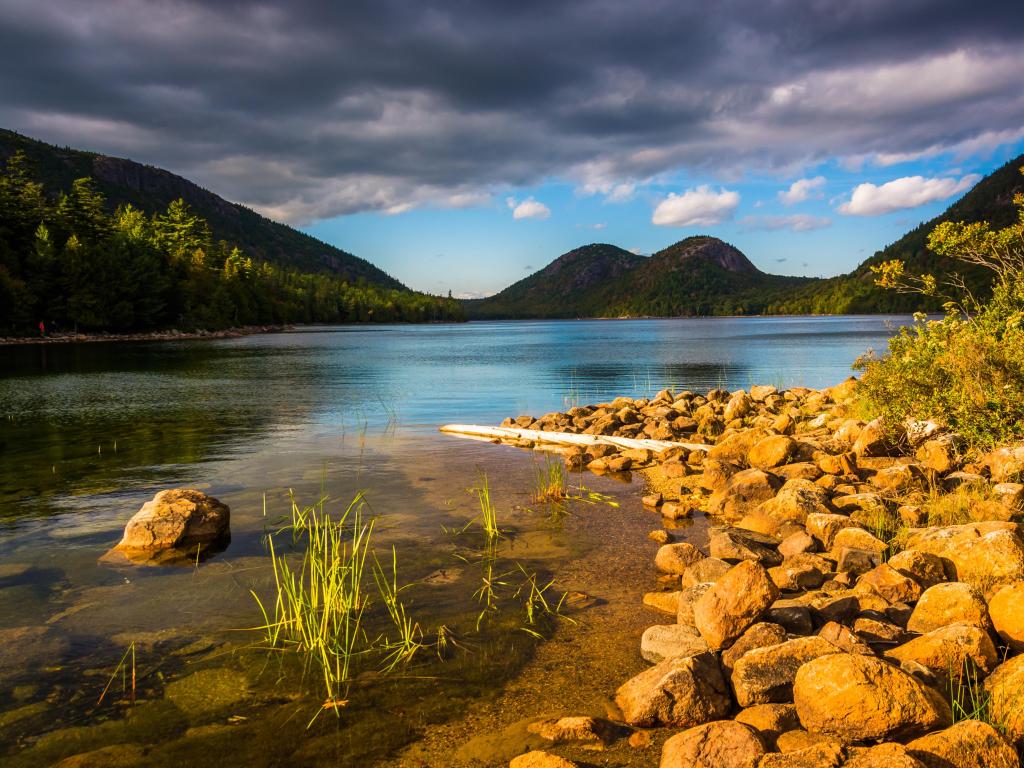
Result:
69,262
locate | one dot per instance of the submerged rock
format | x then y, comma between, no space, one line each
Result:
175,526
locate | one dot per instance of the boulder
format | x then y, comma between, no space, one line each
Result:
706,571
798,740
675,558
982,554
872,440
765,675
738,544
796,500
667,602
688,601
540,759
843,638
1004,688
800,572
1006,465
968,744
717,473
801,470
738,406
947,650
1006,609
174,526
733,603
900,478
792,614
825,526
949,603
878,632
742,493
797,543
882,756
735,447
771,452
855,697
759,635
722,744
940,454
769,720
857,538
892,585
1010,495
584,730
824,754
666,641
680,692
924,568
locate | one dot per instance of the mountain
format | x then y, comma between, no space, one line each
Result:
696,276
559,289
152,189
991,200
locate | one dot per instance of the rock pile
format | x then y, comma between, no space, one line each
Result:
858,587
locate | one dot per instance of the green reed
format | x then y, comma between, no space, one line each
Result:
550,483
488,513
126,667
321,603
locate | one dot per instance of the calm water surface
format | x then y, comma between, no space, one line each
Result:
91,431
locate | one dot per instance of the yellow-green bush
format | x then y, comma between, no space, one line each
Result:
967,369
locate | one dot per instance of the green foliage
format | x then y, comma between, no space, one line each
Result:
966,369
859,291
71,264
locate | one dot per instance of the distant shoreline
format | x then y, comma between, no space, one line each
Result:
171,335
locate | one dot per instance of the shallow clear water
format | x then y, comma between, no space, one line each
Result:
92,431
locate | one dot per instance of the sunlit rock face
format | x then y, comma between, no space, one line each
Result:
177,526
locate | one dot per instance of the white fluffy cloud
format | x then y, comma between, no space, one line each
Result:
528,209
699,206
802,189
906,192
798,222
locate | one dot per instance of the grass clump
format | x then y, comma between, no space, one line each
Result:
325,589
550,483
967,369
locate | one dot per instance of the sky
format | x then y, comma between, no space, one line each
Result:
461,146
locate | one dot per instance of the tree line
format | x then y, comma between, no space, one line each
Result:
70,263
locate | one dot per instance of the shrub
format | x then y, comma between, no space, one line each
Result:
967,369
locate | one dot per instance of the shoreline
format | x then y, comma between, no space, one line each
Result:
838,551
169,335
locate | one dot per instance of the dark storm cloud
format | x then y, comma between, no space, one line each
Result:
311,109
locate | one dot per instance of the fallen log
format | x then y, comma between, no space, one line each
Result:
512,434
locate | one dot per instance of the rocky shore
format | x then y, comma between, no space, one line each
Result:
859,600
169,335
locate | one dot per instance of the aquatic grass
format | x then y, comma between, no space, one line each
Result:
488,514
550,484
410,635
321,604
535,601
126,663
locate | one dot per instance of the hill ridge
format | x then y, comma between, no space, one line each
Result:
151,188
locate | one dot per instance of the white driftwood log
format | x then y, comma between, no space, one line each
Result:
565,438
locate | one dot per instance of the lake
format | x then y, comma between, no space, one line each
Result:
92,431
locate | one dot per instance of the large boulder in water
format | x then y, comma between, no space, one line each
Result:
176,525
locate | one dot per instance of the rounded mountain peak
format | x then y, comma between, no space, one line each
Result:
709,249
